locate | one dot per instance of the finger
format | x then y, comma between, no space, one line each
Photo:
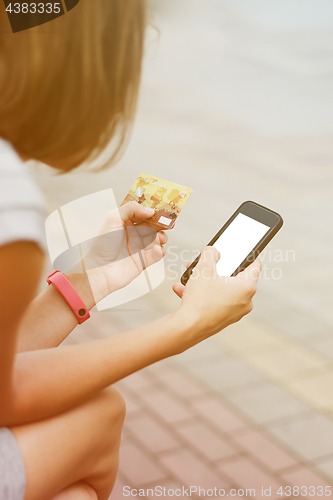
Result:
163,239
178,288
189,264
252,272
133,211
134,242
144,229
141,237
152,238
207,262
149,224
153,255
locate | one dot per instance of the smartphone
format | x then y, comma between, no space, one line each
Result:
241,239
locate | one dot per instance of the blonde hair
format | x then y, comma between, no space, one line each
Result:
67,88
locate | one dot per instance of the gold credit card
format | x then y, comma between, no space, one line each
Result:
165,197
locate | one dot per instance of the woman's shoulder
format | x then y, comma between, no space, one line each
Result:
16,184
22,204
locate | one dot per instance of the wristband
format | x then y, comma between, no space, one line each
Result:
68,292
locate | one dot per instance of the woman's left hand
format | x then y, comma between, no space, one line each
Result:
127,244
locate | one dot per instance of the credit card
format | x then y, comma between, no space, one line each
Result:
165,197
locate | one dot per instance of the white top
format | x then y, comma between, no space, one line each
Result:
22,205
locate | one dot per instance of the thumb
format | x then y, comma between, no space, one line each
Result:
133,211
208,260
252,272
178,288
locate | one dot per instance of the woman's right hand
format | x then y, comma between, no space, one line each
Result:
211,302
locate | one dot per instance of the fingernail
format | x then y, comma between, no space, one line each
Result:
149,211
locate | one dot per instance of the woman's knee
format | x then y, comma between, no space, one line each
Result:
108,410
108,417
77,491
113,405
82,443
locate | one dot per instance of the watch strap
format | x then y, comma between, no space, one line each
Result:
70,295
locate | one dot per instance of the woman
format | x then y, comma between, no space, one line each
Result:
66,91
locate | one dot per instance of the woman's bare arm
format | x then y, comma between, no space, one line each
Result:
47,382
50,381
39,384
48,319
21,265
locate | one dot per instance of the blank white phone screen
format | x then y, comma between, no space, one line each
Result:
237,241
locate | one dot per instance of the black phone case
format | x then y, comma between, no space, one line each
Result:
256,250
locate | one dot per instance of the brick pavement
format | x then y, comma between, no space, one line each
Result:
196,437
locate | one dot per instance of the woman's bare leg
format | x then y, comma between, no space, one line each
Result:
77,491
81,445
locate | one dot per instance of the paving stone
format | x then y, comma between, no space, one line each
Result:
251,338
219,414
246,475
316,390
324,308
201,437
287,363
137,466
117,491
311,436
312,339
132,403
168,408
179,383
274,356
163,487
326,466
264,449
205,349
325,347
137,381
151,434
225,373
266,304
303,476
191,471
298,324
267,402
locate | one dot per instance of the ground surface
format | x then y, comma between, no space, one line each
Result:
237,104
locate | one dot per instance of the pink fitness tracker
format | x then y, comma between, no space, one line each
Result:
68,292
